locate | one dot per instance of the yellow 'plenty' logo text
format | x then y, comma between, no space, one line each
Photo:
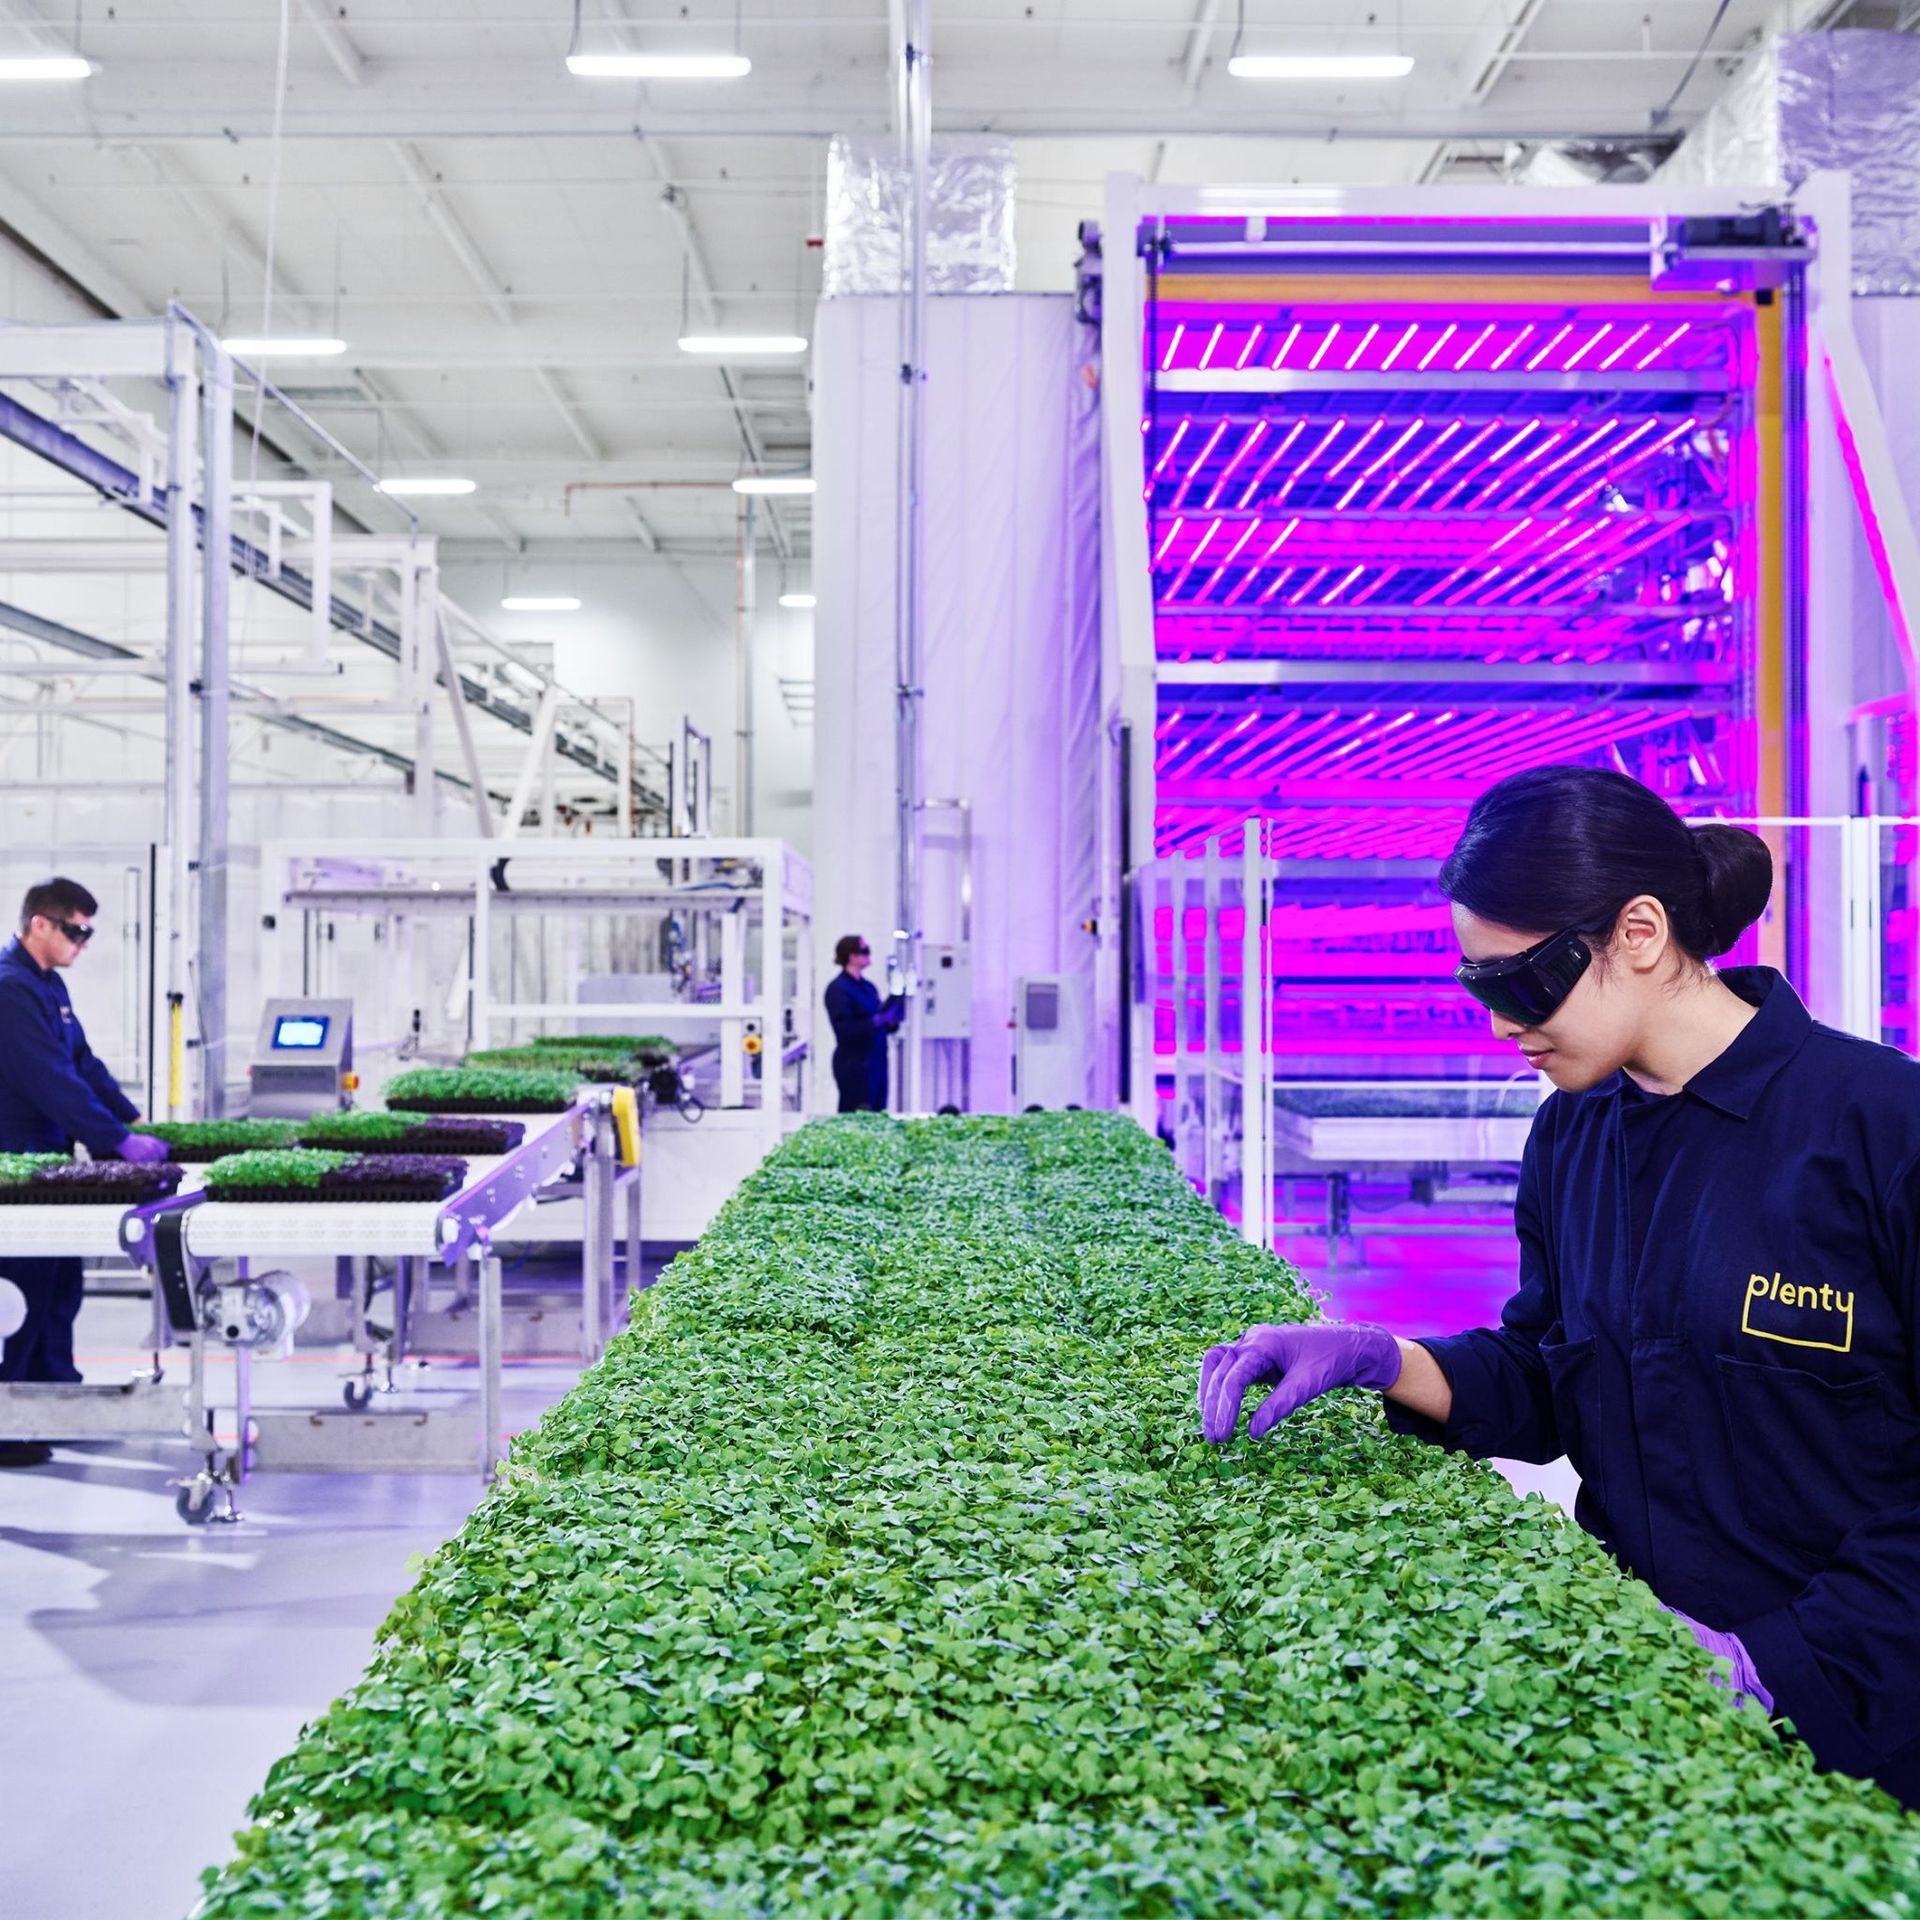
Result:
1798,1316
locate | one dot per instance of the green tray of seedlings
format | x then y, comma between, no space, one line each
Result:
280,1174
195,1142
408,1133
466,1090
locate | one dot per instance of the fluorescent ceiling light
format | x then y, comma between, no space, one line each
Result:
774,483
424,485
659,66
1320,66
728,345
797,600
540,603
284,347
44,66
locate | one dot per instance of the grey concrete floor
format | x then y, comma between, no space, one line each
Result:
151,1672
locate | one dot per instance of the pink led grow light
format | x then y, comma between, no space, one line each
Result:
1554,487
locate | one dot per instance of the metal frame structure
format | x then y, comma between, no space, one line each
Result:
1228,1099
1705,536
145,415
187,1243
725,889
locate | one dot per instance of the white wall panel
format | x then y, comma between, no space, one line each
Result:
1008,720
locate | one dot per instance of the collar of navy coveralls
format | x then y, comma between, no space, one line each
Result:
1733,1083
17,947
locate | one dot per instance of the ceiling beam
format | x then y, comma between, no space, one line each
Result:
1199,44
449,226
348,61
69,256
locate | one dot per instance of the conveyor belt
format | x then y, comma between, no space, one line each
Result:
61,1232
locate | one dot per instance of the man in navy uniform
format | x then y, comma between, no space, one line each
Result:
53,1093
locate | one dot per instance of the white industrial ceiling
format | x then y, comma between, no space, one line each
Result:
510,251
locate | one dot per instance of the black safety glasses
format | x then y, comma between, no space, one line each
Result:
78,934
1529,987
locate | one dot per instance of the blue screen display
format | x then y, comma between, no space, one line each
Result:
303,1030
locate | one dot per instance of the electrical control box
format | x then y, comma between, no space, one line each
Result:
302,1059
946,993
1049,1040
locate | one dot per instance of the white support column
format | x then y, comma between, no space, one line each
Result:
216,556
177,830
733,967
1256,1081
531,766
1210,889
480,986
1861,986
772,996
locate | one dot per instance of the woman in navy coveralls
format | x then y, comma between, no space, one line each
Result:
861,1022
1719,1224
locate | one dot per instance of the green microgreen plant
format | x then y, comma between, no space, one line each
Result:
199,1140
243,1176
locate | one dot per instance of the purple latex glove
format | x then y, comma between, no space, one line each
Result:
143,1149
1306,1361
1744,1683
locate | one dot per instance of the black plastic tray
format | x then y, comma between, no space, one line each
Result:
69,1193
390,1191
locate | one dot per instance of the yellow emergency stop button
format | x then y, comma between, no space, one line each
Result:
751,1043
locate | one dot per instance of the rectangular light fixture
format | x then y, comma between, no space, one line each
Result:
730,346
797,600
424,486
540,603
659,66
774,483
1320,66
45,66
284,347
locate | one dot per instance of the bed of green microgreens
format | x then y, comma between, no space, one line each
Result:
878,1569
532,1085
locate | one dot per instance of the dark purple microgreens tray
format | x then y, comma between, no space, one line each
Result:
93,1183
394,1177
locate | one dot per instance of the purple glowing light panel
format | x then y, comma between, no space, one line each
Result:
1401,550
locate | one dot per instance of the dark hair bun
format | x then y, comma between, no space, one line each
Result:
1739,869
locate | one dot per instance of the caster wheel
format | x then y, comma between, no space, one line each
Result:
357,1394
193,1500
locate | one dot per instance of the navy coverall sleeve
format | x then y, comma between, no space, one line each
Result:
1842,1658
38,1069
1502,1397
106,1089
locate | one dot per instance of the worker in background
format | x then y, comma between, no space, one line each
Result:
1719,1225
861,1023
53,1093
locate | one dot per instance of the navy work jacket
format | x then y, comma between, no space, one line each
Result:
861,1021
52,1089
1716,1322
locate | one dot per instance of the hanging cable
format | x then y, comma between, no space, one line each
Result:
1693,66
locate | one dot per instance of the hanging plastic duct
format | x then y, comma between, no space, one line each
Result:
1809,101
969,216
